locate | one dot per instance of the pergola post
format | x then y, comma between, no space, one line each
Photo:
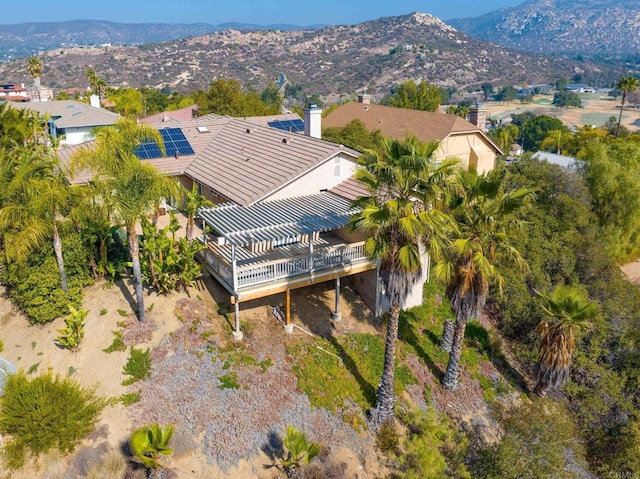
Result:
204,231
288,327
311,252
335,315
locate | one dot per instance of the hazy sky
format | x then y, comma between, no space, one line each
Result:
263,12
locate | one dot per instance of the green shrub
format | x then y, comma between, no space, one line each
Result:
167,263
229,381
123,313
103,311
34,284
117,344
73,332
138,366
44,413
130,398
538,438
388,438
432,448
1,346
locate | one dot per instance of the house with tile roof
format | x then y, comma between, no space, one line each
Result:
280,217
457,137
71,120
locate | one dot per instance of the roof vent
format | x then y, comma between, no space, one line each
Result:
176,155
202,129
248,130
286,140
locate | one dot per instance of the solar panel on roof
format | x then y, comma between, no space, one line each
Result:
174,143
293,126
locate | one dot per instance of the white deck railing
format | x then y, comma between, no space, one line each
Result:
273,270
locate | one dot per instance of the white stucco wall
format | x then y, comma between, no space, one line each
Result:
75,136
323,177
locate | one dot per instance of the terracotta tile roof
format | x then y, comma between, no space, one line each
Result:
246,162
398,122
184,114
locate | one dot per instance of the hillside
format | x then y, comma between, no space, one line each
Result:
22,40
339,59
595,28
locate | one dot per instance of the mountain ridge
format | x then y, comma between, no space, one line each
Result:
594,28
377,55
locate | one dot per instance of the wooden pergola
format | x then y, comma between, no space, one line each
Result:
277,246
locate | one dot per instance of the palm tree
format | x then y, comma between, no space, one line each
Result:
148,443
557,139
32,199
402,219
486,219
626,85
35,69
568,307
132,188
192,202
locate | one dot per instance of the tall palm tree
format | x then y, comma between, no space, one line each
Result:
626,85
35,69
568,308
487,216
132,188
33,197
401,218
192,202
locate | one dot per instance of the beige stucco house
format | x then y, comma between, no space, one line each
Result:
458,137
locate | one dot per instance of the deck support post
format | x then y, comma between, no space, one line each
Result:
311,252
288,327
335,315
378,313
204,232
237,334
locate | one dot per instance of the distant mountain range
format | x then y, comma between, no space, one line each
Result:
600,29
26,39
333,60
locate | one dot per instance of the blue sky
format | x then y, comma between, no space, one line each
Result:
263,12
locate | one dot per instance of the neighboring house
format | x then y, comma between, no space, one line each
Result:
568,162
515,150
183,114
458,138
13,92
283,203
46,93
72,119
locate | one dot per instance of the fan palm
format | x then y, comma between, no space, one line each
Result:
486,219
402,219
132,188
192,202
626,85
35,69
568,308
32,198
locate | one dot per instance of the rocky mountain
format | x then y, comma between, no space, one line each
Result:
338,59
602,29
17,41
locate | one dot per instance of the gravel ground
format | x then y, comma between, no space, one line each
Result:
230,424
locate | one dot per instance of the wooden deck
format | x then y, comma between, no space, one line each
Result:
258,274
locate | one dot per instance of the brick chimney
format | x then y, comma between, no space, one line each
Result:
364,98
478,115
313,121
